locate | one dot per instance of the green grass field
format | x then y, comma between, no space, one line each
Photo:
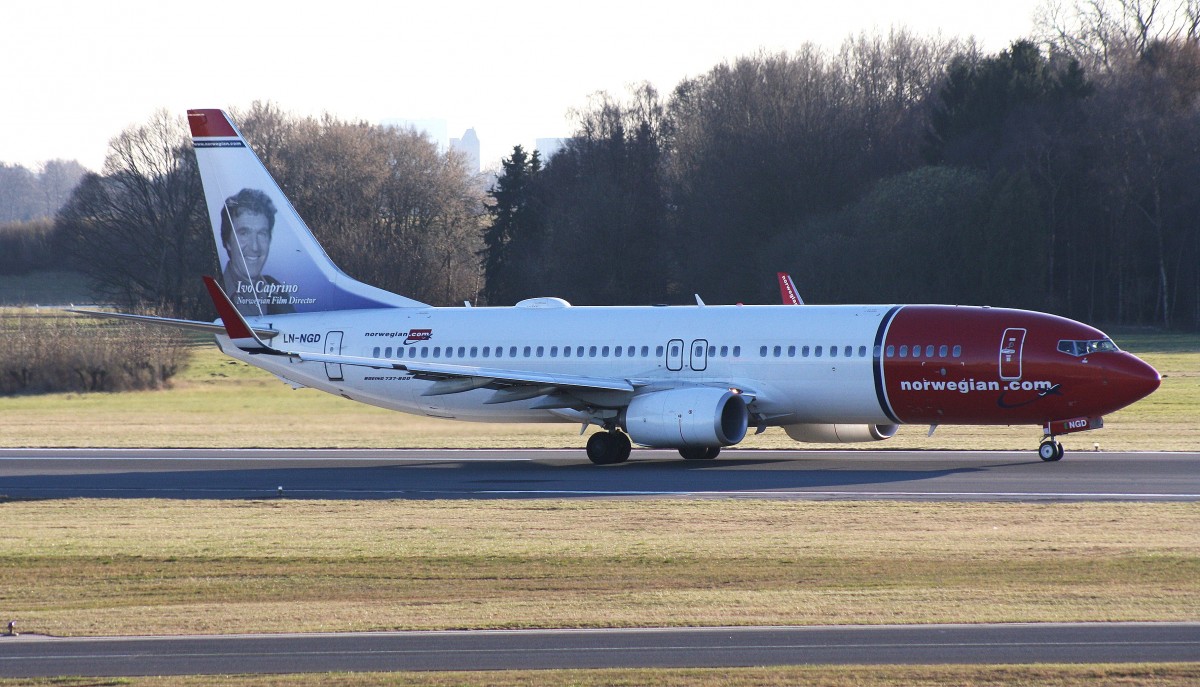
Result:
219,402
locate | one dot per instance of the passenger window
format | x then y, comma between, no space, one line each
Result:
804,350
724,351
527,351
891,351
462,351
566,351
658,351
737,351
712,351
929,351
375,352
449,351
943,350
817,352
629,353
957,352
604,352
512,351
833,351
437,351
579,351
424,351
474,351
486,350
791,351
762,352
698,352
554,351
862,351
848,352
778,350
904,351
541,350
387,352
592,352
645,351
617,351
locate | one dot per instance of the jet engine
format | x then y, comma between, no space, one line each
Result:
679,418
840,434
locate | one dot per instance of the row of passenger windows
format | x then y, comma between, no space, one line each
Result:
523,352
929,351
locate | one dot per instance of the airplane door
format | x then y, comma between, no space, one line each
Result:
699,355
333,346
1011,346
675,355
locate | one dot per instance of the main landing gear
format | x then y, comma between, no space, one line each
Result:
608,448
1050,450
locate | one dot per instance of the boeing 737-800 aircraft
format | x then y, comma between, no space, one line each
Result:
692,378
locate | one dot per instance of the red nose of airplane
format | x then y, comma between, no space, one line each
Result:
1131,378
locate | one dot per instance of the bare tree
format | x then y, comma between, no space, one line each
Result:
1103,34
139,231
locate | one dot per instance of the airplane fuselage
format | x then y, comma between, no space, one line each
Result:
872,365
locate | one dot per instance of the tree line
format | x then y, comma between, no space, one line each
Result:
1054,175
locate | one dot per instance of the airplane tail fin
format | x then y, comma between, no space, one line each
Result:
271,263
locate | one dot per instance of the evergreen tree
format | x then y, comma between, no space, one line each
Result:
514,223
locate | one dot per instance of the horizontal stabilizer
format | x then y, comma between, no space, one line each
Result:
190,325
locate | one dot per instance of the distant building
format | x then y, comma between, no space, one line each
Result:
468,145
547,147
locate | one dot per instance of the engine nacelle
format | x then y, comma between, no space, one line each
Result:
679,418
840,434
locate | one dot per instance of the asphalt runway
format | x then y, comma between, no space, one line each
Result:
644,648
493,474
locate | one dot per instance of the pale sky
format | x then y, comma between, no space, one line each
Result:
73,74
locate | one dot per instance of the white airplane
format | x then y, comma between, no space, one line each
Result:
692,378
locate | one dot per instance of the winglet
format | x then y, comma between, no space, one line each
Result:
236,327
787,290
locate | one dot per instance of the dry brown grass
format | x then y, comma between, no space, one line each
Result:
1108,675
117,567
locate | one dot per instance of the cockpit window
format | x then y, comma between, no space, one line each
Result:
1081,348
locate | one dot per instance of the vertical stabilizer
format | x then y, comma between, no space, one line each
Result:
270,261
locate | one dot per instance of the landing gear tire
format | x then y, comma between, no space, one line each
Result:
608,448
1050,451
700,452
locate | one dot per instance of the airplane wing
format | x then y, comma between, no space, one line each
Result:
448,379
191,325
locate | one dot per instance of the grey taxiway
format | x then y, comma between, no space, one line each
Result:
441,473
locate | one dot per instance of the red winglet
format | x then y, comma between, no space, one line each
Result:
210,124
787,290
235,324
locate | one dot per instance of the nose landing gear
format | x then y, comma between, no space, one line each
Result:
1050,450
